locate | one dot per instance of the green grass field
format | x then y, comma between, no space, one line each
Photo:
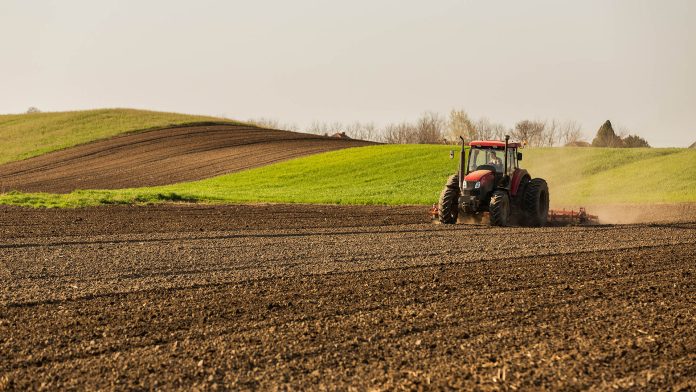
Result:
415,174
27,135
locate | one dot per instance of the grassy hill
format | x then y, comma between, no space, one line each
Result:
415,174
27,135
616,176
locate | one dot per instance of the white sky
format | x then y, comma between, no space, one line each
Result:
630,61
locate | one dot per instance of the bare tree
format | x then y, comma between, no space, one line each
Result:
487,130
569,133
459,124
429,128
400,133
369,132
549,133
530,132
318,128
321,128
362,131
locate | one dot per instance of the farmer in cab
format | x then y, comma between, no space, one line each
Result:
495,161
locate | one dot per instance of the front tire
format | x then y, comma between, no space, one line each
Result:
499,208
448,207
535,203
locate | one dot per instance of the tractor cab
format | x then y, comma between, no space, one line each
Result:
490,155
490,165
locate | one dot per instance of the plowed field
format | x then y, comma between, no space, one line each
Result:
162,157
305,297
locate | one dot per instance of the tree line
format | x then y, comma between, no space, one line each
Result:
435,128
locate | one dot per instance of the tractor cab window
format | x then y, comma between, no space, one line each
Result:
486,158
512,160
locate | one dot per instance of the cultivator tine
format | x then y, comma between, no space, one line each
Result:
434,212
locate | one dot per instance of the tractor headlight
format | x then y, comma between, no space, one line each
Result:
477,185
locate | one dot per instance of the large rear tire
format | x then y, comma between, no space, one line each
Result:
499,208
535,203
448,208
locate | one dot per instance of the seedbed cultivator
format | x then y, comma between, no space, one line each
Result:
555,218
571,217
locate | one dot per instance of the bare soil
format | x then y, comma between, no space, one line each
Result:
311,297
161,157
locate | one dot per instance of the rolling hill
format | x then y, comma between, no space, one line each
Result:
29,135
162,156
133,156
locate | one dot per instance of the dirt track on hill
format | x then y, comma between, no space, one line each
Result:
162,157
304,297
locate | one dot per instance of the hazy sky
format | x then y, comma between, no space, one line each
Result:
630,61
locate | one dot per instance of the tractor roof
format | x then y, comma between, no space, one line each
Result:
493,144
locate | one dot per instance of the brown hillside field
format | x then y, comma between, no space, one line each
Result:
161,157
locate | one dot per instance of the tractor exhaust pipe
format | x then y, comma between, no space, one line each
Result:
461,165
505,160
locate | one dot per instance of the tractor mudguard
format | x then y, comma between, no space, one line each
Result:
517,179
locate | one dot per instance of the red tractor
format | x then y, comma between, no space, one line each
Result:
491,181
